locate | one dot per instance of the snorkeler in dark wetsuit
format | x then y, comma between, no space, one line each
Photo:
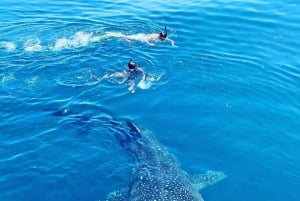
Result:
129,74
147,38
133,70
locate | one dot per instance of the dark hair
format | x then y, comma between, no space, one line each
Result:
132,64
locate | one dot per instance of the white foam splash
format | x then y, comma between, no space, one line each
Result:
9,46
79,39
144,84
33,45
8,77
148,82
32,80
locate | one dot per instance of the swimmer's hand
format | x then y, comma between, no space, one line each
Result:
174,45
141,84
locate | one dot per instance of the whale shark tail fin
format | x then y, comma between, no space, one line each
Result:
201,181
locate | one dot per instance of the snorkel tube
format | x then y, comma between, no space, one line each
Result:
166,32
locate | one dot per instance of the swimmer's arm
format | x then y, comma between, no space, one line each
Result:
172,42
116,75
123,80
143,74
148,38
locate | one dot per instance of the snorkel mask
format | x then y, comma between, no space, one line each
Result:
163,35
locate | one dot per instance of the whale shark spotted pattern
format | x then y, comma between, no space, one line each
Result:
157,175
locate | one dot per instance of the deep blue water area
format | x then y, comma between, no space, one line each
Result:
226,99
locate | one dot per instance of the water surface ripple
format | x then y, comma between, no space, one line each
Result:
226,99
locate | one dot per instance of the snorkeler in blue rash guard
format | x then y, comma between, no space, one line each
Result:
147,38
130,73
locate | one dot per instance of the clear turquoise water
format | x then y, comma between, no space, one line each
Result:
226,99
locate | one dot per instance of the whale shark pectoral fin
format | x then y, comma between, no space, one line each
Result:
120,195
201,181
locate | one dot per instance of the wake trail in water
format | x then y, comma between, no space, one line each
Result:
78,40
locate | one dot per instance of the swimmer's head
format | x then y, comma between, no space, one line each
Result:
132,65
163,35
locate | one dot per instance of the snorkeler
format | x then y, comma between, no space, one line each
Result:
128,74
147,38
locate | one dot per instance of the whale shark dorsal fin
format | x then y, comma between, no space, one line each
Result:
201,181
120,195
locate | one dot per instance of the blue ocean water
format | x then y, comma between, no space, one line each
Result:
226,99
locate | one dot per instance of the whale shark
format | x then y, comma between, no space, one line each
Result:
157,175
